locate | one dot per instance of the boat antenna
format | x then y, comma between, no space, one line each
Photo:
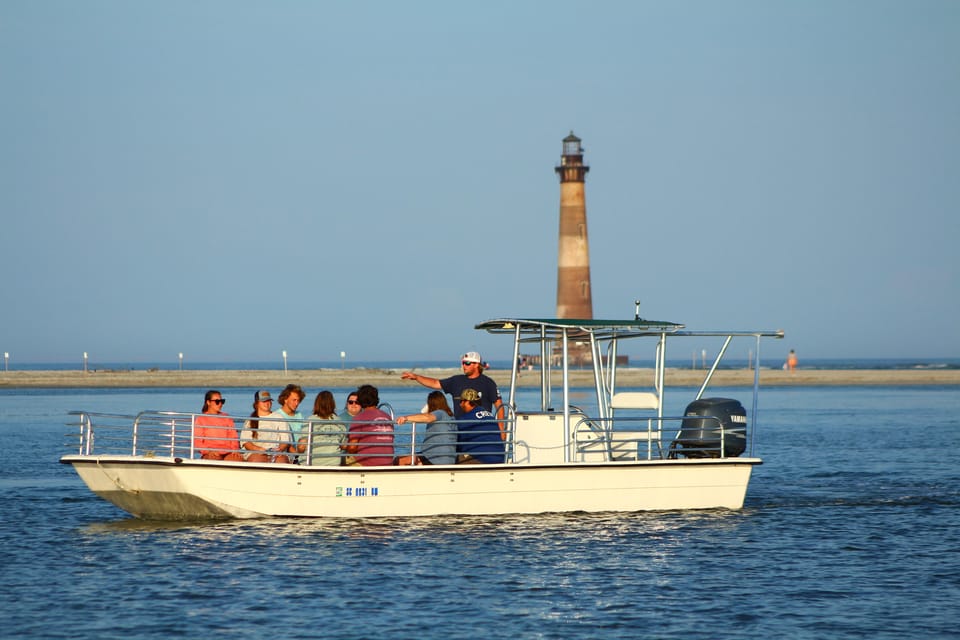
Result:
636,310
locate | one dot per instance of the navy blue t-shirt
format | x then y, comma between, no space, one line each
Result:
486,387
478,435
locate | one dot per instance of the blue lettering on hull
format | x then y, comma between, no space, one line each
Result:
357,492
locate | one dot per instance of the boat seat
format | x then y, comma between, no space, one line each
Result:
634,400
635,445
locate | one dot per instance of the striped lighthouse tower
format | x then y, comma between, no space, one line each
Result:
573,264
574,299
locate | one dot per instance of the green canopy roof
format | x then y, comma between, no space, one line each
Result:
535,328
532,329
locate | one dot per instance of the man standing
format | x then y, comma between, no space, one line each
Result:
215,435
471,378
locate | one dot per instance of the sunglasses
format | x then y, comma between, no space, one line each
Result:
220,401
352,402
465,363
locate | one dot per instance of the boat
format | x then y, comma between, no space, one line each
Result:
622,453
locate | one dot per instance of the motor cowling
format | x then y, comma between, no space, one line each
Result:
704,422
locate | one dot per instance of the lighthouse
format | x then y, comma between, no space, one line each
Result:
574,298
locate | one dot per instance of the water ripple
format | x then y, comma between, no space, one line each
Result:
835,541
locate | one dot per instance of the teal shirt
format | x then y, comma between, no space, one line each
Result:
296,423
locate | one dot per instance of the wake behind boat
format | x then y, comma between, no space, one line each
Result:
625,455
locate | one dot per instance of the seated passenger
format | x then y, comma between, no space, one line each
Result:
352,407
290,399
215,437
440,436
255,448
282,429
478,433
325,437
370,439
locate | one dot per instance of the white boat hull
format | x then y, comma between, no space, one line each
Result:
164,488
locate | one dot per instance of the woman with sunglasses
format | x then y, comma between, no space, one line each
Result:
215,435
352,406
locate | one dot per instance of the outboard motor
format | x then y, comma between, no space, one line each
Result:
700,436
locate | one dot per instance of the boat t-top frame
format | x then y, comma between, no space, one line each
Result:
556,335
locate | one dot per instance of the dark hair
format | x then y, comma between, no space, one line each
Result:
324,406
289,389
207,396
368,396
437,400
255,424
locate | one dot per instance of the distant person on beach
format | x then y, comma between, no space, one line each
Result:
472,377
215,435
256,449
791,361
440,436
478,436
370,439
325,437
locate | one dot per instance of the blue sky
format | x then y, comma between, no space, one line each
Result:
233,179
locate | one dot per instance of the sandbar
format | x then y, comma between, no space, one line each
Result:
350,378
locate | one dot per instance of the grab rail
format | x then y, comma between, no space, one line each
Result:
663,437
168,434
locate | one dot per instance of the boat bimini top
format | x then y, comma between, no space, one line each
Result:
561,340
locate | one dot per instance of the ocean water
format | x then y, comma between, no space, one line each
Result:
851,529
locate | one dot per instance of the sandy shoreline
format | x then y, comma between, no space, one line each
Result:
345,378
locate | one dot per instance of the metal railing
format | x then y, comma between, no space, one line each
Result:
656,438
165,434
